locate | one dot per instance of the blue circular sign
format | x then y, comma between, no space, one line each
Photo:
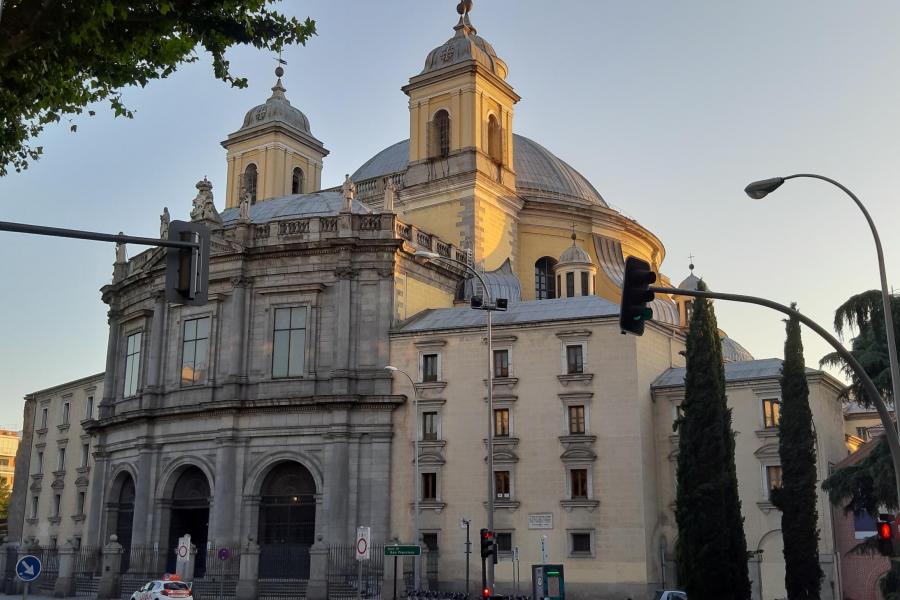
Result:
28,568
224,553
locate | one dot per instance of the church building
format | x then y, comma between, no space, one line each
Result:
267,417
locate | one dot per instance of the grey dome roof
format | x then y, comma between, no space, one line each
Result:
318,204
690,283
540,174
277,109
464,46
574,254
733,351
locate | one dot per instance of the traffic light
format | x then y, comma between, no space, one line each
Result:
634,312
885,535
501,303
486,592
487,543
187,269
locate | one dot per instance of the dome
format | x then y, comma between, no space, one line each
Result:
277,109
574,254
733,351
690,283
540,174
464,46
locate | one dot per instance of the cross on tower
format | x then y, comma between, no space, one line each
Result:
691,264
279,71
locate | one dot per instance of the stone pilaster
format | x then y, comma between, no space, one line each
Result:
225,492
317,587
65,580
248,583
108,588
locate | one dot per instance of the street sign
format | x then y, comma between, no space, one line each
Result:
407,550
363,535
28,568
224,554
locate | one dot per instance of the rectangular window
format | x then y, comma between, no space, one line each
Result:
429,426
574,359
429,367
44,412
501,363
57,499
89,408
862,433
771,412
430,540
429,486
65,415
81,497
501,484
504,541
290,342
585,288
570,285
132,364
773,477
61,460
581,543
576,420
34,507
4,462
40,462
85,454
501,422
579,483
195,351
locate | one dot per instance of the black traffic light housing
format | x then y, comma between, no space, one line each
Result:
187,269
488,544
634,312
885,535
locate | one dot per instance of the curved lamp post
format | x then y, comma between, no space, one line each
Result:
416,483
489,308
760,189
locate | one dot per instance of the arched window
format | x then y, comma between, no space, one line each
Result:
543,278
297,181
495,140
250,182
441,134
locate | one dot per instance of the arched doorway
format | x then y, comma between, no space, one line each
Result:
121,514
190,515
287,521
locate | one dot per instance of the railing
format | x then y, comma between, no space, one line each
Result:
284,561
343,572
88,563
49,568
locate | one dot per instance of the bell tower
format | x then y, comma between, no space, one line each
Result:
461,182
274,153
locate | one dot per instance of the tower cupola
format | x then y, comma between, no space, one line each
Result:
575,272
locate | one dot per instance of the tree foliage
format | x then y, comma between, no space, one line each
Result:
797,497
711,548
864,313
59,56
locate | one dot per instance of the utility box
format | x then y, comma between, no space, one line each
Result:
548,582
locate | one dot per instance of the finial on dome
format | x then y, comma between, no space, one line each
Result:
278,90
691,265
464,25
573,236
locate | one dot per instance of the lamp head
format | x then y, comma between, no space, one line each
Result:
391,368
426,255
760,189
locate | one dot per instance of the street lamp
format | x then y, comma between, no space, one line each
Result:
760,189
489,305
416,482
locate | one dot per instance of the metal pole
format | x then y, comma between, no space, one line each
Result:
90,235
417,561
885,294
468,556
25,591
490,449
890,431
359,580
221,580
395,577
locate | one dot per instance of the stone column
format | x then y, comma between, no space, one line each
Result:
109,377
6,586
108,588
157,334
94,512
248,583
143,496
236,335
65,580
317,587
339,381
339,529
225,493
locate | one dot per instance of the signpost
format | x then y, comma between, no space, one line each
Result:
363,536
464,524
224,554
396,550
27,569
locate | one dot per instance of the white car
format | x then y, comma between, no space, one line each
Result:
670,595
163,590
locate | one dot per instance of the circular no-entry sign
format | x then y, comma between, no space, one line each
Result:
182,551
361,546
224,553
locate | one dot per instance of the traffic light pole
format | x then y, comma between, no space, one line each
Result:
890,431
98,237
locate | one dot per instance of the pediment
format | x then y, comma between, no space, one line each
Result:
580,453
431,458
767,451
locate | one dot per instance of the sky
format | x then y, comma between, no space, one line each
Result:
668,108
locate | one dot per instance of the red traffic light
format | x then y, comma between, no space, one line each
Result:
486,592
487,535
884,531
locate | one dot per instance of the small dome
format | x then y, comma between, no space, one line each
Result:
277,109
574,254
690,283
733,351
463,47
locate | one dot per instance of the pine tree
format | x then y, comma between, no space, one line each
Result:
797,497
711,548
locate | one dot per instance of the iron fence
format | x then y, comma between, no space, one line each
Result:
344,572
87,565
49,558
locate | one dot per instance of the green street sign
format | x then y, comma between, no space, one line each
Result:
397,550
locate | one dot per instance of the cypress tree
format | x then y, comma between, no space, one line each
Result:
711,548
797,497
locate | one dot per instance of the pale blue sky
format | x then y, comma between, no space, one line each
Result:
669,108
